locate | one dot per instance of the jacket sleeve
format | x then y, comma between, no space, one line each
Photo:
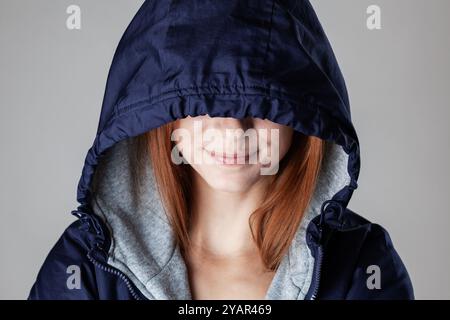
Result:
380,273
67,273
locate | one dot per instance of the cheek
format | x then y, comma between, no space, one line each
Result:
285,140
279,137
183,136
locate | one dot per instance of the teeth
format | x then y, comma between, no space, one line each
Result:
222,158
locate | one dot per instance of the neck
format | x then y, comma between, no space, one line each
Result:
219,225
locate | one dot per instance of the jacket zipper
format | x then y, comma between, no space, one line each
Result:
317,273
85,217
117,273
319,259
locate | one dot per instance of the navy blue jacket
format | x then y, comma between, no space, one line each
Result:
266,59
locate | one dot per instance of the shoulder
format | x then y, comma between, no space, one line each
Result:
67,272
379,272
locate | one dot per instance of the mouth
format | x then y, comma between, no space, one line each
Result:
234,159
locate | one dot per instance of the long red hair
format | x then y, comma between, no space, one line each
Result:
273,225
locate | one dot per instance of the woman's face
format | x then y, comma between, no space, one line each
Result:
230,154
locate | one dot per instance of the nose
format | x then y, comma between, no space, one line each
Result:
233,123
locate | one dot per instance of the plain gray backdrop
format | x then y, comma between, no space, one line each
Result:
52,82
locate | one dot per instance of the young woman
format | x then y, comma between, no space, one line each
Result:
222,168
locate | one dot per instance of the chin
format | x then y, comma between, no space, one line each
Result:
227,186
227,182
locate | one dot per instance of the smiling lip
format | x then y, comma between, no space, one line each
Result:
230,159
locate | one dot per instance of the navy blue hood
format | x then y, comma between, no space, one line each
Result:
262,59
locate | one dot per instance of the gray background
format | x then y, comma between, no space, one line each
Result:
51,88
